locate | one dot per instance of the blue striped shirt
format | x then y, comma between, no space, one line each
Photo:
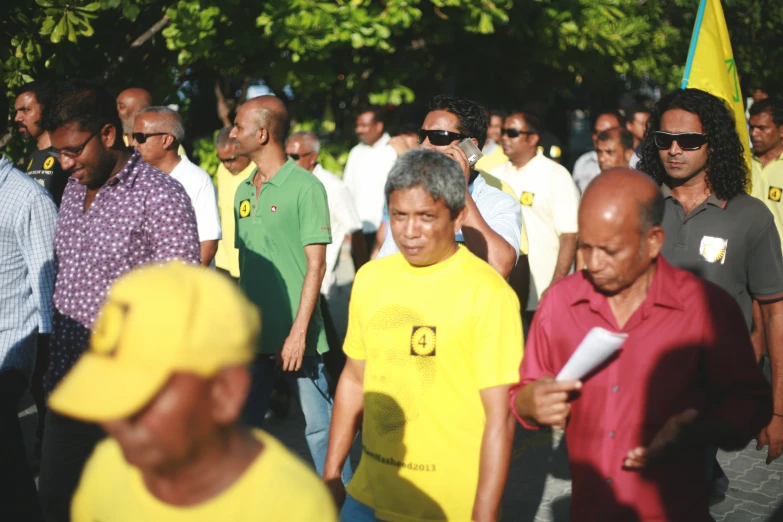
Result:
27,266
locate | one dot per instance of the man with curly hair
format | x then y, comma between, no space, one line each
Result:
715,230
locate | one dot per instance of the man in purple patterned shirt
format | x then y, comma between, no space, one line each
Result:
117,213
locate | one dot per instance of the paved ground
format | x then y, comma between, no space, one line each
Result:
539,487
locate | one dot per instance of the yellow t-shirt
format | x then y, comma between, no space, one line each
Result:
276,487
227,257
432,338
768,187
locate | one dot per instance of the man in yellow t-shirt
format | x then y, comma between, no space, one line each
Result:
233,170
166,378
766,135
433,336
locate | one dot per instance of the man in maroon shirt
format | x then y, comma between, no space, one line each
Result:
686,376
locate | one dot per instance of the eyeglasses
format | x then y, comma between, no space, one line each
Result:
439,137
297,157
74,153
227,160
140,137
514,133
686,140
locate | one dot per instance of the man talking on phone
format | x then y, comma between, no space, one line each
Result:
492,228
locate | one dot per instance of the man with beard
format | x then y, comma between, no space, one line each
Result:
43,167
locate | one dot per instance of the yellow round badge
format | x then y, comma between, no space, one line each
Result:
244,208
527,198
423,341
48,163
775,193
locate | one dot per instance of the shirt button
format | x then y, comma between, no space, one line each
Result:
611,434
615,388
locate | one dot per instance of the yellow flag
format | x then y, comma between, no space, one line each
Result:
711,66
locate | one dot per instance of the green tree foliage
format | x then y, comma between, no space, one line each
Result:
327,57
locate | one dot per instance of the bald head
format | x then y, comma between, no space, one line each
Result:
270,113
620,235
129,103
261,124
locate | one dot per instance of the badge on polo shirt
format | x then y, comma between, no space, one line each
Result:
527,199
423,341
48,162
244,208
713,249
775,193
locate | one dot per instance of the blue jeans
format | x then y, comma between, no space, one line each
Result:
310,386
355,511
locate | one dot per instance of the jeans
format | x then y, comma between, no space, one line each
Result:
355,511
310,386
67,444
18,498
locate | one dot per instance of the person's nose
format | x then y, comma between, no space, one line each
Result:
412,229
674,149
18,117
233,133
66,163
594,260
427,145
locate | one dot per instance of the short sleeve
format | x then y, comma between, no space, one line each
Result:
207,215
354,344
172,225
314,225
497,337
564,215
765,263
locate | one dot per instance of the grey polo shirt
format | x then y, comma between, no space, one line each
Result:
733,244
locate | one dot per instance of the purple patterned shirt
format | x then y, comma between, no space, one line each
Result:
140,216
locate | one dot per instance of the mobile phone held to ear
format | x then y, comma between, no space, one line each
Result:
471,151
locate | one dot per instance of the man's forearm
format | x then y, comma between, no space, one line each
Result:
494,462
757,335
485,242
208,251
565,257
773,328
346,416
309,298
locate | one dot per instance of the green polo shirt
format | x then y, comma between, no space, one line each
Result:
290,213
733,244
770,191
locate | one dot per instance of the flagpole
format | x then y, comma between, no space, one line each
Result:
694,41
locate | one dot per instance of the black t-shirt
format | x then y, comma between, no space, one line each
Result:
44,168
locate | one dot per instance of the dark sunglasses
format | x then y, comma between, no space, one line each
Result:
514,133
140,137
297,157
74,153
686,140
439,137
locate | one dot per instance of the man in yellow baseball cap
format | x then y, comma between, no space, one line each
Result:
166,378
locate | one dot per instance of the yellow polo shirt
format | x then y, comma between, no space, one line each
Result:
768,187
492,160
227,257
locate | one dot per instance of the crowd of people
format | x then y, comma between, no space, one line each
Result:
157,314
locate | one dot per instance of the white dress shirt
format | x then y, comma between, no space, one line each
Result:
585,169
343,217
365,176
201,192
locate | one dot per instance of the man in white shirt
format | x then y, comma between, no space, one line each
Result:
636,123
549,201
157,134
367,168
586,167
303,148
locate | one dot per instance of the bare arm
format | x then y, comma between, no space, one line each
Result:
772,320
208,251
294,346
346,418
565,256
485,242
757,334
495,453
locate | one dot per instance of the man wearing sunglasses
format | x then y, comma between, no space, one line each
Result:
157,134
586,167
492,229
714,229
117,212
232,171
549,201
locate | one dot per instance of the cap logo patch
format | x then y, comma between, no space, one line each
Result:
108,328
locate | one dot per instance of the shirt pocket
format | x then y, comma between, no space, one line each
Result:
116,241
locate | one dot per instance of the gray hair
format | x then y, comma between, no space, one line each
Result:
169,120
438,174
309,138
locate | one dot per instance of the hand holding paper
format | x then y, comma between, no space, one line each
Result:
598,345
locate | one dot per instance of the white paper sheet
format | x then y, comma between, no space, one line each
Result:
598,345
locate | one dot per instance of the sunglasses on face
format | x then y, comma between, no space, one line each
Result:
514,133
685,140
439,137
74,153
140,137
297,157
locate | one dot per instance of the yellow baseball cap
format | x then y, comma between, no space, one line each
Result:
157,320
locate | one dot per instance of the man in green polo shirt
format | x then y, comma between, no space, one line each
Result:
766,134
282,229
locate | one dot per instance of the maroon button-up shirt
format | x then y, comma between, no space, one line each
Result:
140,216
687,347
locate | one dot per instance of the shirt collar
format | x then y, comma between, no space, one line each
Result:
712,199
755,159
278,179
127,175
663,291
